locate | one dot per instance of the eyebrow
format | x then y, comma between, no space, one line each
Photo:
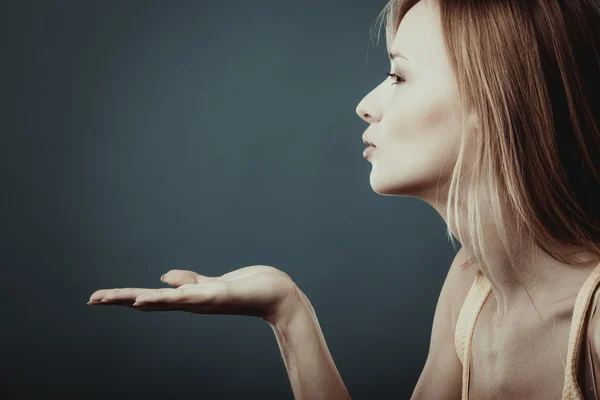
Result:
396,54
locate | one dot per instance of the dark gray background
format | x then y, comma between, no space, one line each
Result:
140,136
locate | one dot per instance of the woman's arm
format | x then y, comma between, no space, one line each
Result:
256,290
310,367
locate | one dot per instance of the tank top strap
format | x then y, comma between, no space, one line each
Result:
571,389
465,325
589,385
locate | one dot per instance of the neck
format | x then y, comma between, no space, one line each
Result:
532,276
542,281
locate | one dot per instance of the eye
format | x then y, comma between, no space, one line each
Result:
397,78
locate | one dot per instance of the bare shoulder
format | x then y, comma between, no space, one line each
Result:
441,375
458,283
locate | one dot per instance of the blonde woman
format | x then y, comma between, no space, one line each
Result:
489,114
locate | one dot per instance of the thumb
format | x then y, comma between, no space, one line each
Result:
178,277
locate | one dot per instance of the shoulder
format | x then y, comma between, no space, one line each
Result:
593,333
441,377
458,283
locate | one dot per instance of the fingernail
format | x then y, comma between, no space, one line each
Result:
162,278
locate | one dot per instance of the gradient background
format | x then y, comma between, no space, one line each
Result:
141,136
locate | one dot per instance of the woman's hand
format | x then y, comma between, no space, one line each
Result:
257,290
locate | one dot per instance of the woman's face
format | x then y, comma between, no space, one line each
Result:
413,124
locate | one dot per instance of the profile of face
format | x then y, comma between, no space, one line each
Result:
413,123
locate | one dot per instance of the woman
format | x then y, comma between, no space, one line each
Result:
489,115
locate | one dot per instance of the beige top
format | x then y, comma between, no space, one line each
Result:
478,294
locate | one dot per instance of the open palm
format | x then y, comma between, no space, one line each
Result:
257,290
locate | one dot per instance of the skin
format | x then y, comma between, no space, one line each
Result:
257,290
414,126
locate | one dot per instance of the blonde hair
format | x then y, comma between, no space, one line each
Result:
530,72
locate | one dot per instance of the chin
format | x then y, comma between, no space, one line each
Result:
423,189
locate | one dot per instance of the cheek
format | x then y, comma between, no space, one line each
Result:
423,117
423,135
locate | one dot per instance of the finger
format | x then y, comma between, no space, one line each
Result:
193,308
162,307
127,298
201,293
208,298
149,306
99,294
250,271
173,296
118,294
127,303
178,277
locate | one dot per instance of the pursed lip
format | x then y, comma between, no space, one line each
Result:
367,141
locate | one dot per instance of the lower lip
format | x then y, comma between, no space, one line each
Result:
367,152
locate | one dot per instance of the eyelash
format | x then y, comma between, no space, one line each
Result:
397,78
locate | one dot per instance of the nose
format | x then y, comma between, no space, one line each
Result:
368,110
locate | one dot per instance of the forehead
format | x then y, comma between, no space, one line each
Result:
419,36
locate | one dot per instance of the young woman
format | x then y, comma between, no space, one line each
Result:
489,114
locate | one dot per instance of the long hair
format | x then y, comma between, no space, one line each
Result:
530,71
